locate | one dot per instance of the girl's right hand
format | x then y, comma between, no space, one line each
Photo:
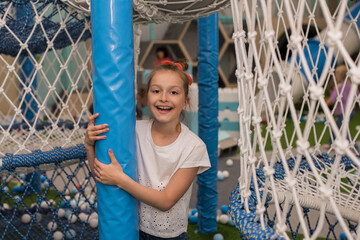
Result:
93,131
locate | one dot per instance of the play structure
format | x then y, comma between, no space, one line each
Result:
60,61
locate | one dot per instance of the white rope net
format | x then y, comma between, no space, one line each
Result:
44,91
291,149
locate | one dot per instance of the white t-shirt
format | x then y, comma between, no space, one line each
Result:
156,165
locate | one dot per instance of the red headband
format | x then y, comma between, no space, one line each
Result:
179,66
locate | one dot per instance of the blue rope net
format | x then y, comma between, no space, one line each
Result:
36,25
248,223
66,195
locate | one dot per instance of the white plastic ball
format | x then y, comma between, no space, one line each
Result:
83,217
73,203
226,173
46,184
67,192
6,189
61,212
52,226
224,219
22,176
70,234
74,190
84,206
72,218
38,217
67,213
58,235
51,202
44,205
33,205
94,215
218,236
67,198
77,197
229,162
217,218
26,218
17,198
6,206
93,222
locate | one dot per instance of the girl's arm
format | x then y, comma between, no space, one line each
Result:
179,183
91,137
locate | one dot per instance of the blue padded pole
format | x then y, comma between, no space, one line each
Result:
208,35
114,99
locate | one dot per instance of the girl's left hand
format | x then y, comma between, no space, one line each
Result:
109,174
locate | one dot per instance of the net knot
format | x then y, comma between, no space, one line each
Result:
23,45
262,82
355,75
268,171
11,68
249,76
252,35
334,36
260,209
284,88
238,34
1,90
276,134
50,44
38,66
341,145
316,92
302,146
2,23
325,192
295,39
256,120
252,160
290,181
269,34
281,227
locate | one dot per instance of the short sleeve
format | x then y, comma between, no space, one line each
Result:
198,157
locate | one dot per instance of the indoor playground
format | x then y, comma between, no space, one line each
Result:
275,99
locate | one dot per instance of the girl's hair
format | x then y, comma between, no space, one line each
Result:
174,68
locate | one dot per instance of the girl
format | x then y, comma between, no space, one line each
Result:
169,157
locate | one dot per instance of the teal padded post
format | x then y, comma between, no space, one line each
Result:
114,99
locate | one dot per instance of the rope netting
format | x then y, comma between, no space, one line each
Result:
299,137
46,188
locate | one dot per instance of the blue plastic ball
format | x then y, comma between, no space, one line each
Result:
22,189
42,178
64,204
343,236
194,211
193,219
218,236
74,190
224,209
16,189
70,234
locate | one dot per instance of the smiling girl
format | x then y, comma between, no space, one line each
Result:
169,156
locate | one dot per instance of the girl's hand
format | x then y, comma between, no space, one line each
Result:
93,131
111,174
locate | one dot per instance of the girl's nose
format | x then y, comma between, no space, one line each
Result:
164,96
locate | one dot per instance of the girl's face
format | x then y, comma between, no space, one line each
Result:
166,97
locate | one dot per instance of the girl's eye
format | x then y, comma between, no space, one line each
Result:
174,92
155,91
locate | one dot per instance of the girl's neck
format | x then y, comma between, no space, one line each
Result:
165,134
